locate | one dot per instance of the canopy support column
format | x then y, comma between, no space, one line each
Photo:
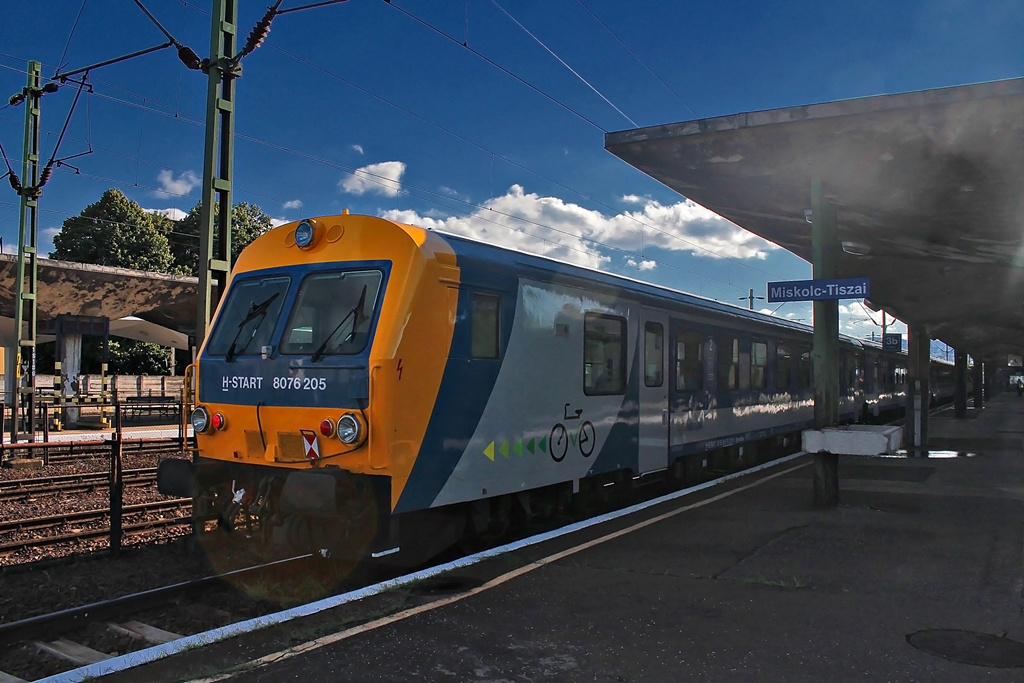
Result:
918,391
960,384
825,252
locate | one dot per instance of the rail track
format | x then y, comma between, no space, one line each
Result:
57,452
136,518
47,644
12,489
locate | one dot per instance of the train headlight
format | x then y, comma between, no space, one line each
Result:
349,430
304,234
200,419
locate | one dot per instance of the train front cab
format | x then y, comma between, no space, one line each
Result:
311,354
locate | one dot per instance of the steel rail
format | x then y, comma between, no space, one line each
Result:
98,514
107,610
65,483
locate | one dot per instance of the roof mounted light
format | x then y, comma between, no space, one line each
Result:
305,234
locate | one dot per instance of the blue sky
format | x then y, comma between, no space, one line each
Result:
483,117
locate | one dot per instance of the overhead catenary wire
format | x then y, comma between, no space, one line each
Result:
198,122
632,217
436,195
71,34
575,236
490,61
563,62
48,168
494,155
637,57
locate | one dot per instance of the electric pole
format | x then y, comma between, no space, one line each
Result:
750,298
28,230
223,66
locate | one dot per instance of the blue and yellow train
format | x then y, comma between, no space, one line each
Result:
372,388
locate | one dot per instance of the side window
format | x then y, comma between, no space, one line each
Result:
654,344
783,368
485,326
604,354
689,362
849,372
758,365
728,363
805,369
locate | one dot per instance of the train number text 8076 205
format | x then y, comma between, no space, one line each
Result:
300,383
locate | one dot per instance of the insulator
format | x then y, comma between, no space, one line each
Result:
259,33
15,182
189,58
44,177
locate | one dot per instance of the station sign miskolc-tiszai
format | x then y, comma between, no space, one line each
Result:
819,290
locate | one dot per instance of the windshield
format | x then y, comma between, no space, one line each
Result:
248,317
332,314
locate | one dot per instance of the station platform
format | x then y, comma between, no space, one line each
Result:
915,576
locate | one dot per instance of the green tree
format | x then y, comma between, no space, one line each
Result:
115,231
129,357
247,223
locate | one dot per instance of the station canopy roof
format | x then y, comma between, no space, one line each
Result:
141,305
928,189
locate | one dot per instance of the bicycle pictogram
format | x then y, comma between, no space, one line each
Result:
583,437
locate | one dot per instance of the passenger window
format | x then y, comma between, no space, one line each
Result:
758,365
654,344
805,370
783,368
485,326
728,363
689,362
604,355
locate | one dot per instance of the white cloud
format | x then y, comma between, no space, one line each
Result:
384,178
172,213
633,199
569,232
10,248
358,148
641,265
277,222
293,204
180,186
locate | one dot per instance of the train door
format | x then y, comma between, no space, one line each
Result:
654,419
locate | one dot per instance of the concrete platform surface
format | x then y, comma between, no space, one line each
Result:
915,576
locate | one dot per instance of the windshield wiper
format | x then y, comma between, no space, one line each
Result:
357,312
255,311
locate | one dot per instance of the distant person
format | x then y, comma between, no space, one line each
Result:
1020,384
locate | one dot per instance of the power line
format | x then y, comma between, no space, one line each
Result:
637,57
380,180
496,66
507,160
563,62
70,35
432,197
